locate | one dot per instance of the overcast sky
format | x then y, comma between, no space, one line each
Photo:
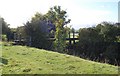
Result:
83,13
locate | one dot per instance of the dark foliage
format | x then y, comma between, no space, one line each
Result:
100,43
38,32
6,30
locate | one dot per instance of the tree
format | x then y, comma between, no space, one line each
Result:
19,32
37,31
118,32
100,42
109,31
58,17
5,28
90,42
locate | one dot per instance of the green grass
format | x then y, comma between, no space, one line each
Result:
26,60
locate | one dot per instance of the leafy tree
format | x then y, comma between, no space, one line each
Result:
5,28
58,17
90,41
38,16
19,32
117,25
37,31
100,42
109,31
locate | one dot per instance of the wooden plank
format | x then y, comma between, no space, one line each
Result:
72,38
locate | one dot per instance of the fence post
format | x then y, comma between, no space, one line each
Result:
20,39
69,39
15,36
30,41
73,37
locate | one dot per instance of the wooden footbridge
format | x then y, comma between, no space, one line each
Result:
72,38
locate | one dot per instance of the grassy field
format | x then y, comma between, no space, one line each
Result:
27,60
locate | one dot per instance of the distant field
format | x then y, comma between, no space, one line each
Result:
26,60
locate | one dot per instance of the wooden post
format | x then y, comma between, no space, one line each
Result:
73,37
30,41
15,36
69,39
20,39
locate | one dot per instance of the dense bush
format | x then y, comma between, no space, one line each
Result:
37,31
6,31
100,43
4,38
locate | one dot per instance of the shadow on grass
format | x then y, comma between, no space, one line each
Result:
3,61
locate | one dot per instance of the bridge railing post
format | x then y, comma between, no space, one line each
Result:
73,37
69,39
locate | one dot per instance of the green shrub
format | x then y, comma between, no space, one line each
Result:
4,38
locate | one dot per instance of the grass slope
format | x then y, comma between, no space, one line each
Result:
26,60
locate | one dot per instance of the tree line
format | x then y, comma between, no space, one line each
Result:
99,43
